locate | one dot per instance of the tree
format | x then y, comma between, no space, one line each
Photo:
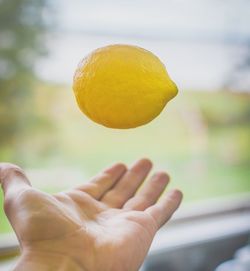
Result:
23,26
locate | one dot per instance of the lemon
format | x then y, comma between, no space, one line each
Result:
122,86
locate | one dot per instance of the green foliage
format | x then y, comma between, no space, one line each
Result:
201,139
23,27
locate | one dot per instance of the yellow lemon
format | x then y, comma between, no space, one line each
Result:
122,86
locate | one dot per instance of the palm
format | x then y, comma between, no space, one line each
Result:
102,223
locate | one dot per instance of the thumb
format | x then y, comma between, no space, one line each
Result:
13,180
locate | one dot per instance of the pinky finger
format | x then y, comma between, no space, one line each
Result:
163,210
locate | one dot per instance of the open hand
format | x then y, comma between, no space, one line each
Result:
106,224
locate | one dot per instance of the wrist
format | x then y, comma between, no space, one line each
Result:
40,261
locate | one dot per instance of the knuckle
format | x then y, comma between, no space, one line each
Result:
7,204
11,201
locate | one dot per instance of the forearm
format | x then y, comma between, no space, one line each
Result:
45,262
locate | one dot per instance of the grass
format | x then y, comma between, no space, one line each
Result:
201,139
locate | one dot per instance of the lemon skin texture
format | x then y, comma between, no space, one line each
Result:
122,86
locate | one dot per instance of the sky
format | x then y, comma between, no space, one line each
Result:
160,18
200,41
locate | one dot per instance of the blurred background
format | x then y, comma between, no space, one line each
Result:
202,138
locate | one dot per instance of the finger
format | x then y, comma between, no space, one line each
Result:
103,182
13,180
163,210
128,184
149,194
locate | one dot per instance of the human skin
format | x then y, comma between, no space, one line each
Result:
106,224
